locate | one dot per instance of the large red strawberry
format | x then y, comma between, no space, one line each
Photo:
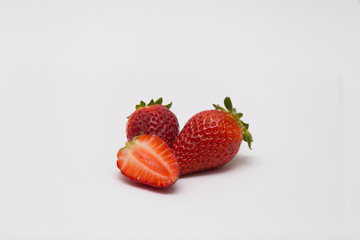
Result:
148,160
153,118
210,139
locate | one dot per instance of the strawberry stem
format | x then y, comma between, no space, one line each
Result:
244,126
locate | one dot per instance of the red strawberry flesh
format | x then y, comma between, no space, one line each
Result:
148,160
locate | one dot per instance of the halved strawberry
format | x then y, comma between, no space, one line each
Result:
149,160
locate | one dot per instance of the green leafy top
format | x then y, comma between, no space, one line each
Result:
244,126
152,103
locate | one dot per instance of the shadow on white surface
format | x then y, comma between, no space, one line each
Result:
171,190
234,165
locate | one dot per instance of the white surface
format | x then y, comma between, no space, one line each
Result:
70,73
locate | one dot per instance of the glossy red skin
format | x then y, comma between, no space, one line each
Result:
208,140
156,120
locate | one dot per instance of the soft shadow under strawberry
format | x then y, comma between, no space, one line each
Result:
170,190
236,163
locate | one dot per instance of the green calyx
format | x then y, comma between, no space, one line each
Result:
130,143
244,126
152,103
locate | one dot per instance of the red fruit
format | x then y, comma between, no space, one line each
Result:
154,119
148,160
210,139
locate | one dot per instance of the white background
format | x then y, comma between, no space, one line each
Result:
72,71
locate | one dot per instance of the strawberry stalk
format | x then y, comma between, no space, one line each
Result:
243,126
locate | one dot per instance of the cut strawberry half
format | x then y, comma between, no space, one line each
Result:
149,160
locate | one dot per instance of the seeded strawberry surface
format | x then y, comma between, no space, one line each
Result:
208,140
157,120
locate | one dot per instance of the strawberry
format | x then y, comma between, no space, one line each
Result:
210,139
148,160
155,119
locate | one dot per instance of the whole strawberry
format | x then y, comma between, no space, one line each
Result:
153,118
210,139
